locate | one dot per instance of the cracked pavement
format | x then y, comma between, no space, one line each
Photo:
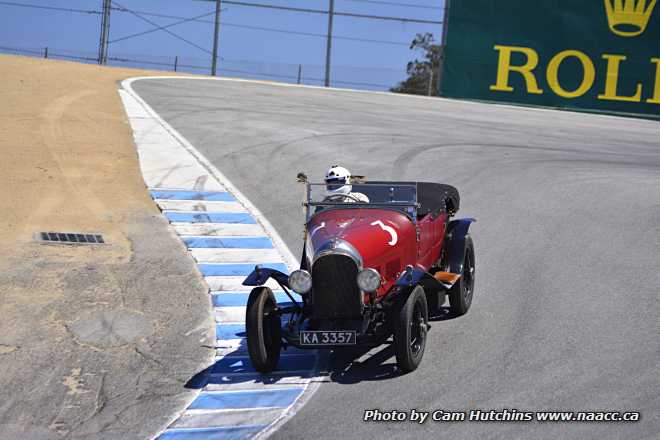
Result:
96,342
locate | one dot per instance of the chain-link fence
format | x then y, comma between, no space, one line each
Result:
342,76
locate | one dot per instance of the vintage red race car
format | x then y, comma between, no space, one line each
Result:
372,266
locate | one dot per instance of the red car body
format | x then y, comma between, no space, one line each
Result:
387,240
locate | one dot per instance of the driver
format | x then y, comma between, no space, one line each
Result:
339,189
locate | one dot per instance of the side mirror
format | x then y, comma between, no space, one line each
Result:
301,177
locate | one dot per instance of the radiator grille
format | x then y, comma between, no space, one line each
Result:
335,292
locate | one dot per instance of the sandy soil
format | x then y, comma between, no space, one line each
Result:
68,159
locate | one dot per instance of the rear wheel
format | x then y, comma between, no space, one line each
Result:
263,328
460,295
410,330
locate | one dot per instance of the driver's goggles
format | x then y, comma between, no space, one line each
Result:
335,181
334,184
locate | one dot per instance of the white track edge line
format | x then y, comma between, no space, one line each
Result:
197,392
291,261
289,258
295,406
509,106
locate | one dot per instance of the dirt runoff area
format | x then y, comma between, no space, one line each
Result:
95,341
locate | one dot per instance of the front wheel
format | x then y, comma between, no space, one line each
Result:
410,329
460,295
263,327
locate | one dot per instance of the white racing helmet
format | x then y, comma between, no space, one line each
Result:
337,180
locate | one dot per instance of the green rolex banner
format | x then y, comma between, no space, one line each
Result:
596,55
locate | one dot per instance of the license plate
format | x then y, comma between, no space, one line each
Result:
328,337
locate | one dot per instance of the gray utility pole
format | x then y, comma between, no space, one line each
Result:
443,45
328,47
216,36
105,32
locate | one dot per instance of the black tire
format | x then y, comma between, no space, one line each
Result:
263,328
410,330
460,295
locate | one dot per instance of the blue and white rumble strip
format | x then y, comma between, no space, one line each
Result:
227,237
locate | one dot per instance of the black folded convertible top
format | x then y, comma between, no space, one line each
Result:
436,196
433,197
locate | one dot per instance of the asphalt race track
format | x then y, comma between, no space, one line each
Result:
565,315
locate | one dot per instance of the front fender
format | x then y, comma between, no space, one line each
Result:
260,275
414,276
457,230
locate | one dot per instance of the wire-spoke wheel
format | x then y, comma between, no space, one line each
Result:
410,330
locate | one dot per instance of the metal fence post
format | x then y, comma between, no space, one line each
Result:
46,53
176,62
299,73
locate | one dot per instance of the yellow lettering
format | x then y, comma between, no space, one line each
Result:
656,94
612,79
504,68
587,79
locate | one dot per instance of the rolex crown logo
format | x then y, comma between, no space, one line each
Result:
629,18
